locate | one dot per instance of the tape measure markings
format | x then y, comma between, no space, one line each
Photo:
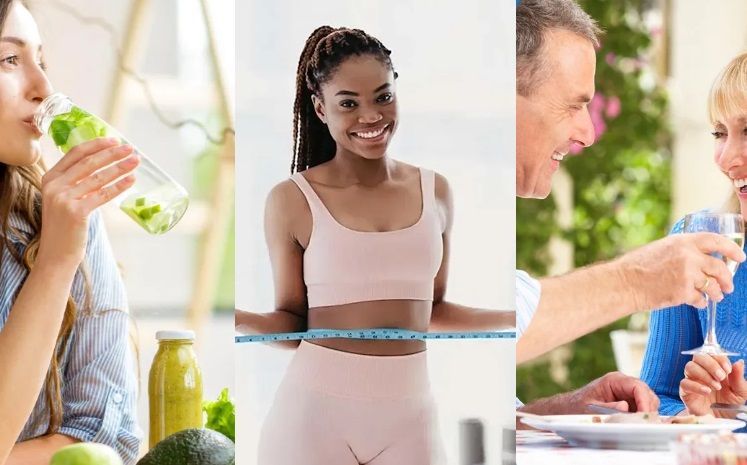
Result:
375,334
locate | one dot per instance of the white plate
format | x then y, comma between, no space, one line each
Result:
580,431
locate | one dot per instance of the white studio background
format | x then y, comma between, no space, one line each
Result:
456,90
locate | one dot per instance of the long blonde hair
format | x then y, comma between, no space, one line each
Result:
20,196
728,97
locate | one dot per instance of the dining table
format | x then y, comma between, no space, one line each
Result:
534,447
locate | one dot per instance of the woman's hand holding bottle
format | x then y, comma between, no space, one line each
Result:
88,176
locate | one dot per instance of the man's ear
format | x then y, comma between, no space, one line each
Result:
319,108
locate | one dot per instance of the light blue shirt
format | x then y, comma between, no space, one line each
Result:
99,385
528,292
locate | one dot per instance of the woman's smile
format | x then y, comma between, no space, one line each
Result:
373,135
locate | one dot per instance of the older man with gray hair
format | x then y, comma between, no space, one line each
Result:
555,66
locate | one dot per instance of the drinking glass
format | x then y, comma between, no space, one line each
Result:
731,226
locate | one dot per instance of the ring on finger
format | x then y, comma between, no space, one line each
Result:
705,284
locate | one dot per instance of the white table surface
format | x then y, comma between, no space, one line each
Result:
543,448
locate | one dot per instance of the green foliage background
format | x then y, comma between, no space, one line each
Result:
621,186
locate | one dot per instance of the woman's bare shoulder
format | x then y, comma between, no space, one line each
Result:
286,201
443,190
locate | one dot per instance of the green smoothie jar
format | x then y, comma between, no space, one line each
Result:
174,386
156,202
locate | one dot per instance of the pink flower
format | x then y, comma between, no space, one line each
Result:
610,58
599,108
613,108
596,109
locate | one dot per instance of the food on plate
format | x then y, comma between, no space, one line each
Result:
654,418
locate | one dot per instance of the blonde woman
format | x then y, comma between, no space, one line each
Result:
691,386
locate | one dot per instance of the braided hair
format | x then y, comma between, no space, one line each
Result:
325,49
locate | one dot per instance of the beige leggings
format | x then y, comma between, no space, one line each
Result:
338,408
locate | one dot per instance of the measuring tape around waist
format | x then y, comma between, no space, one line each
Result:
374,334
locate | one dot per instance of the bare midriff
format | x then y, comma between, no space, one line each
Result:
414,315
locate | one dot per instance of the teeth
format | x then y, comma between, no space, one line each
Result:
370,134
557,156
739,183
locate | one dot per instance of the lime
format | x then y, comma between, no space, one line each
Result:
86,453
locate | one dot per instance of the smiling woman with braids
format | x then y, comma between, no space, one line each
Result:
65,368
356,240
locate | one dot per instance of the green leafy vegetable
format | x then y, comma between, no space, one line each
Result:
60,129
75,127
221,415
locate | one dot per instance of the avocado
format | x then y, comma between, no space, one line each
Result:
86,453
192,447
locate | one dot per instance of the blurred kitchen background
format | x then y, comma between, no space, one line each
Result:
652,163
456,101
185,278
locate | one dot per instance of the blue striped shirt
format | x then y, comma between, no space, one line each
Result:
683,327
99,385
528,292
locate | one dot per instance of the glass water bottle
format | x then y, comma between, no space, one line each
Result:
156,202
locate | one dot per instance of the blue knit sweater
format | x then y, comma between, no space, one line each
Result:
683,327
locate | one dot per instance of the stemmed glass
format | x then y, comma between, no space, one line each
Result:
731,226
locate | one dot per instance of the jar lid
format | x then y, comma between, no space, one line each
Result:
172,335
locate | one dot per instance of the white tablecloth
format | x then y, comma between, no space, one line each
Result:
543,448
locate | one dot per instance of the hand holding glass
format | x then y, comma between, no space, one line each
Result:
731,226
